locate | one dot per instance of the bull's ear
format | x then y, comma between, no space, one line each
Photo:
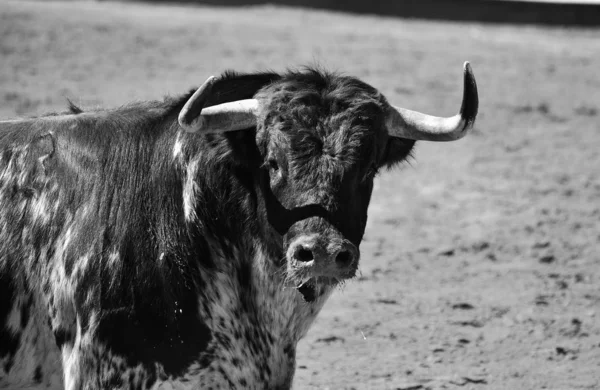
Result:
224,103
397,150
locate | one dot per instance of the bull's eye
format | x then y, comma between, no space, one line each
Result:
273,165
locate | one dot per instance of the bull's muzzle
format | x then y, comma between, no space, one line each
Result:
318,256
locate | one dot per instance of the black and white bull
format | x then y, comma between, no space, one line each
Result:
189,243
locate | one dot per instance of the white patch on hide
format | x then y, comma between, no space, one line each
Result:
178,148
189,191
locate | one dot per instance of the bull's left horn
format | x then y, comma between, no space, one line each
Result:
409,124
231,116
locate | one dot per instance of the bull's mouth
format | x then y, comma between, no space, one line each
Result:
314,287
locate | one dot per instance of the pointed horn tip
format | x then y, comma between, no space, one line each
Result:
208,84
189,118
470,104
468,70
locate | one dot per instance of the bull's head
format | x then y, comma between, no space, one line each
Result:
322,138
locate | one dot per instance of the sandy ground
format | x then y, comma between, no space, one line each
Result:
480,264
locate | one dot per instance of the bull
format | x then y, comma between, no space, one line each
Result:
189,243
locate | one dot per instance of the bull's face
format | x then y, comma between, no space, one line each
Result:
322,139
321,148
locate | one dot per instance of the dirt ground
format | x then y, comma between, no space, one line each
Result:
480,267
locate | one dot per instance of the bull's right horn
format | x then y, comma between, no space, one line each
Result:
404,123
231,116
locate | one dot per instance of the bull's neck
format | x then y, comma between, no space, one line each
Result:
258,323
247,299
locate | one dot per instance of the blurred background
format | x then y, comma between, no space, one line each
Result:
480,266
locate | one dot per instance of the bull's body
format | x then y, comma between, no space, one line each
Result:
95,258
134,255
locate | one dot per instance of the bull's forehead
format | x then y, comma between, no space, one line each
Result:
323,117
332,141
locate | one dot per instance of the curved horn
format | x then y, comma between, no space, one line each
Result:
231,116
409,124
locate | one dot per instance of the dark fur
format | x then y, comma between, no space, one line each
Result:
119,190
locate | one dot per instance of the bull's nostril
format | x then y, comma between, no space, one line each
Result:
344,259
304,255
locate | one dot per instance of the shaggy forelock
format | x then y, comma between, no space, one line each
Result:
323,113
